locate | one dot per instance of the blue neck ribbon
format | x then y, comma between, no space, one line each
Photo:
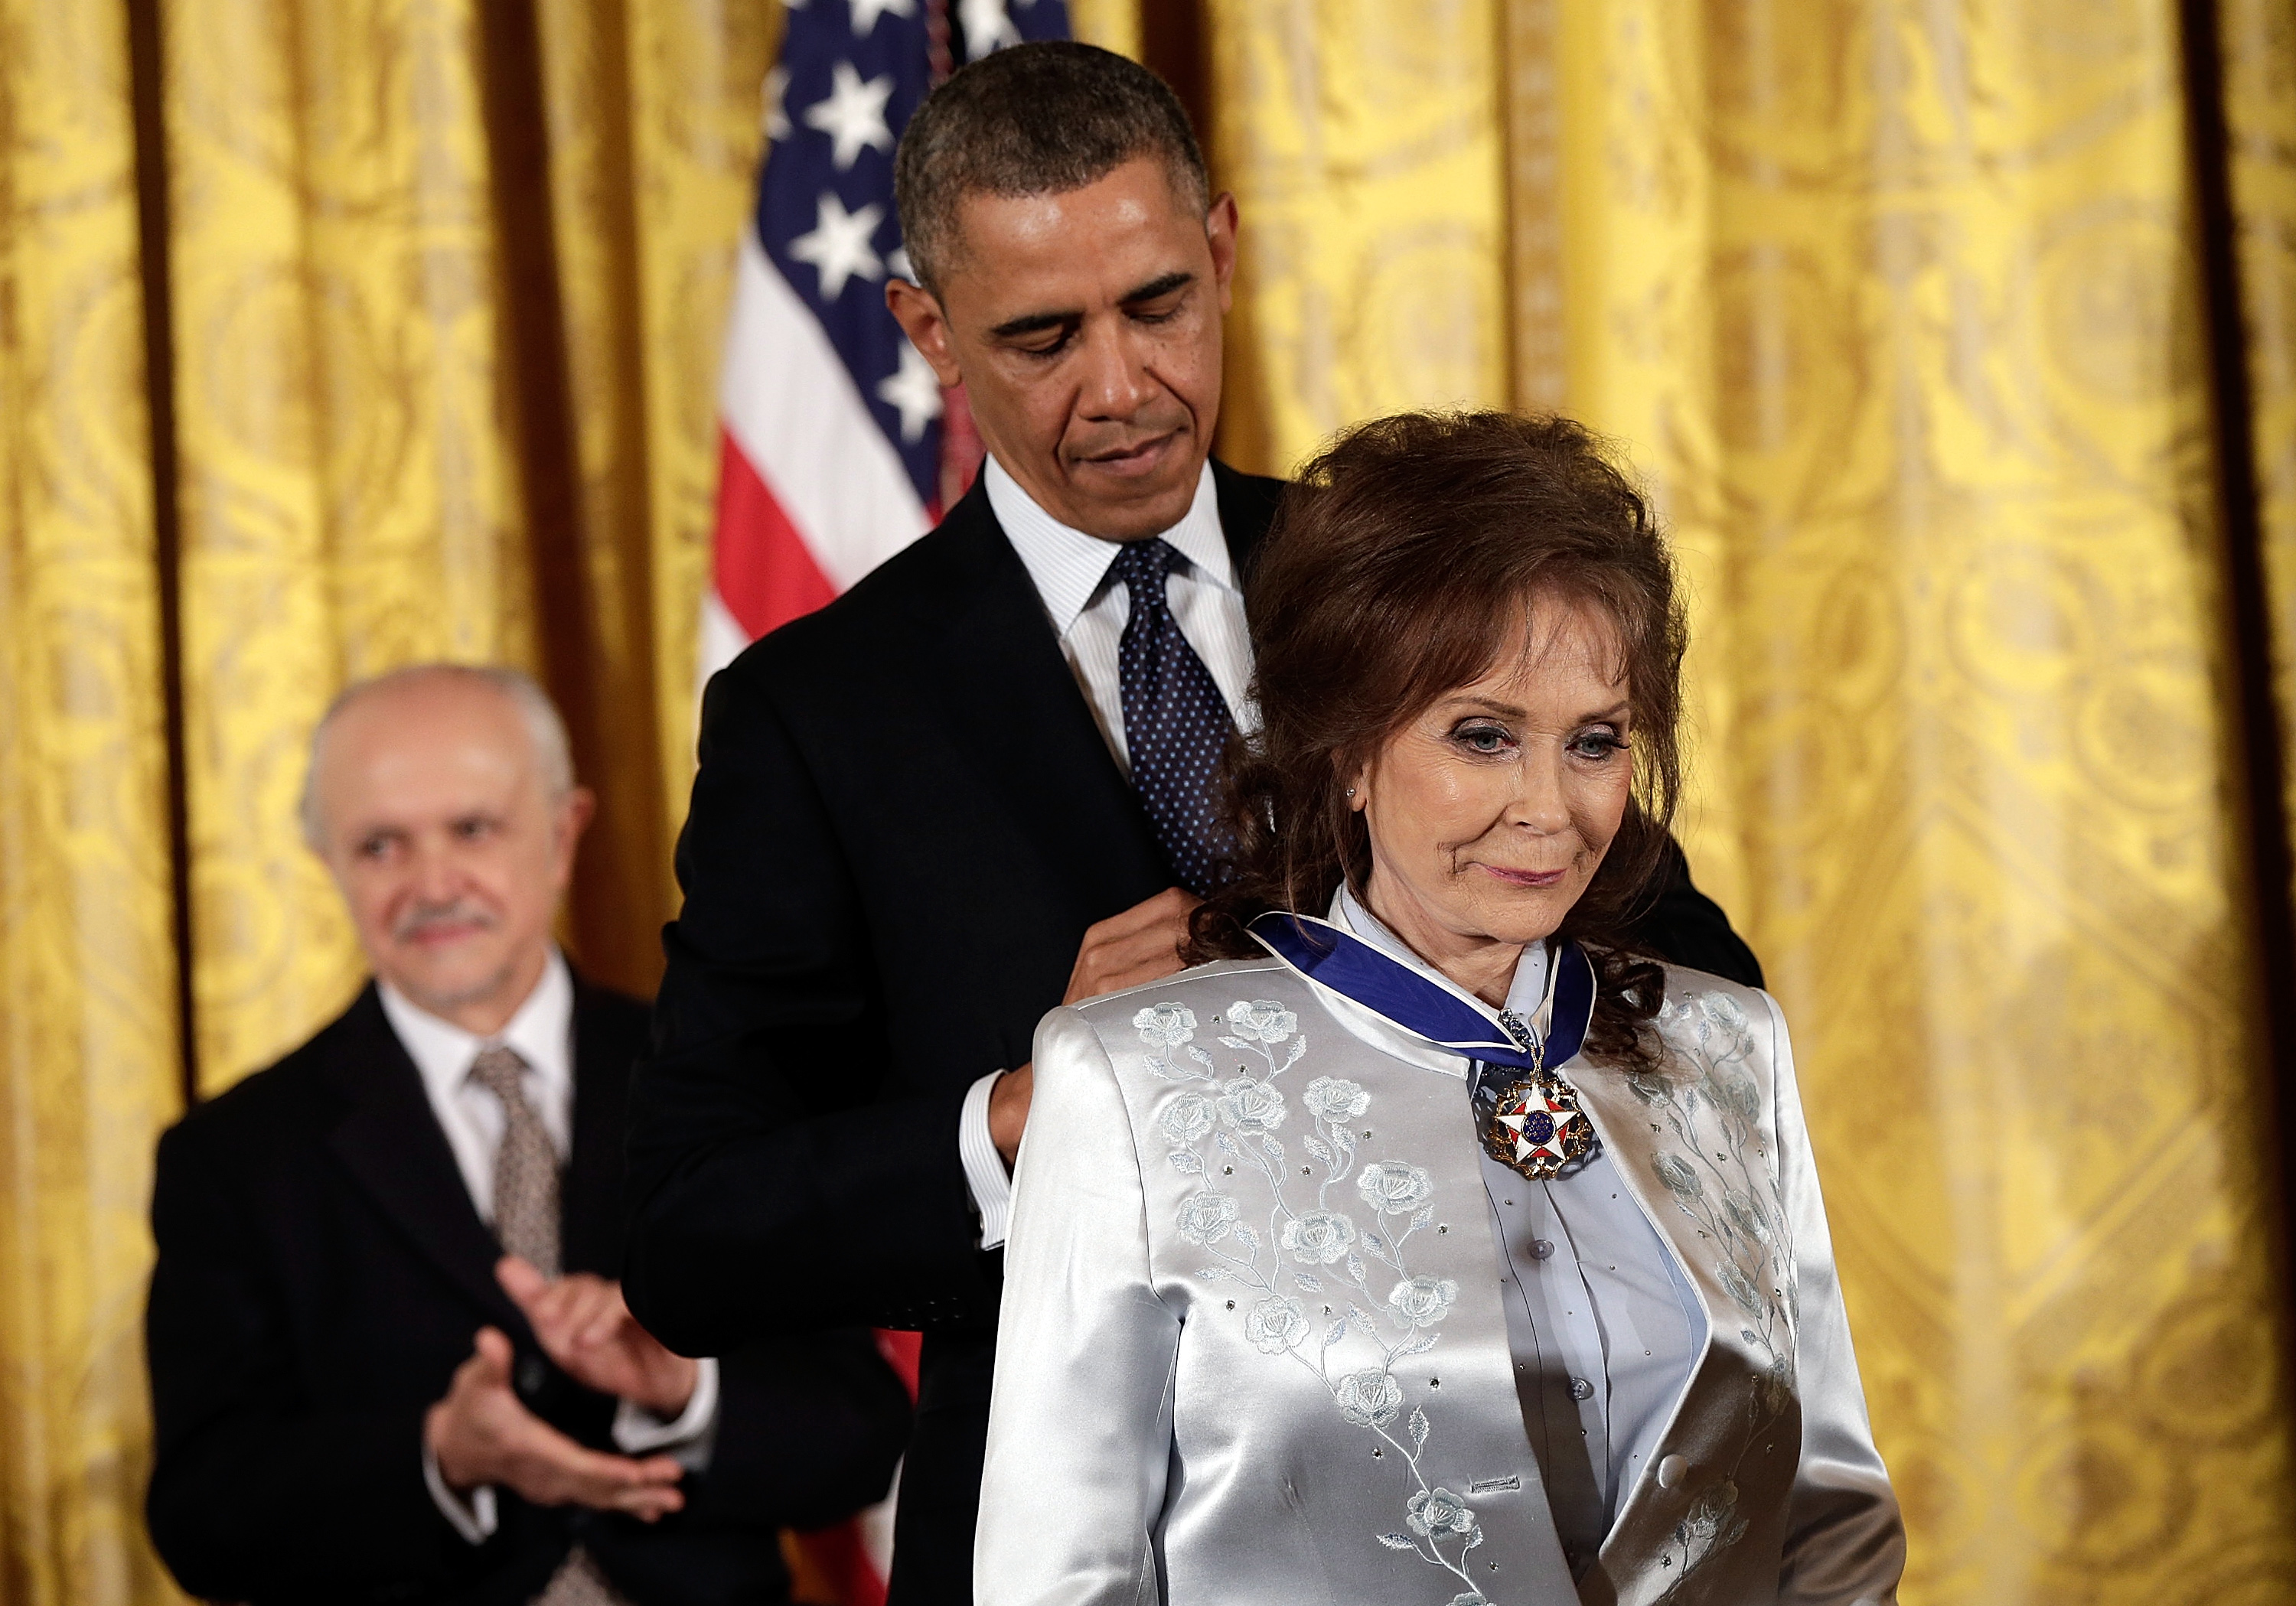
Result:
1353,968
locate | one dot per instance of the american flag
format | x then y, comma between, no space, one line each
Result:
838,445
834,455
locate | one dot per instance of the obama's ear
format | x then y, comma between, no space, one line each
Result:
1219,233
918,311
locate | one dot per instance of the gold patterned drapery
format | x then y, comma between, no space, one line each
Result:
436,287
88,1045
446,282
1904,310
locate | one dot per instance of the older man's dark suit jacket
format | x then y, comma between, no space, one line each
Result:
904,819
322,1272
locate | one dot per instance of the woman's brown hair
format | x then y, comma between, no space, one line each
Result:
1403,563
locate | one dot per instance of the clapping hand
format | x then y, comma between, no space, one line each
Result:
582,1324
482,1433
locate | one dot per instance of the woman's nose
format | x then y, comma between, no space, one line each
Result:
1540,803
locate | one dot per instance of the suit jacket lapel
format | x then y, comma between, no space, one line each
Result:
390,1144
1009,689
1247,506
1017,708
590,1205
1633,1140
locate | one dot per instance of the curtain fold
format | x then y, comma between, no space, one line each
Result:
1362,140
349,492
87,974
2257,48
1897,306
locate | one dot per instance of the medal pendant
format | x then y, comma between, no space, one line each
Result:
1538,1127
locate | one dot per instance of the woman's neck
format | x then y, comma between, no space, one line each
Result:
1484,966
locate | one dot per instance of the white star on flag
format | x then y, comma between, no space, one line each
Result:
914,392
854,114
866,14
987,26
839,245
777,123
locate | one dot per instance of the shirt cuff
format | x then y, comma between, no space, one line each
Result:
984,1167
687,1436
475,1520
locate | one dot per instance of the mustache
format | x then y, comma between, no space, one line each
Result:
421,918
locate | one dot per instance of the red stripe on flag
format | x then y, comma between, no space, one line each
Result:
831,1568
901,1350
765,576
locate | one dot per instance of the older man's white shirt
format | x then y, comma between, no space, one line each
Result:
542,1035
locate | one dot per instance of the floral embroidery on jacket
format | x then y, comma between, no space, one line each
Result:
1312,1267
1722,1177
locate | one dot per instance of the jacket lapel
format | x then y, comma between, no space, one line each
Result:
1631,1133
390,1144
1016,710
1649,1123
1246,507
1006,688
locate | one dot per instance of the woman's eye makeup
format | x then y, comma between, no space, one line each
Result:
1598,743
1482,736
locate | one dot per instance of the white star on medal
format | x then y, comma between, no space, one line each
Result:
1540,1120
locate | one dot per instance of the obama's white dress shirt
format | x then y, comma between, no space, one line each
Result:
1088,609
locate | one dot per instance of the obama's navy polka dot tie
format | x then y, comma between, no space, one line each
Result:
1176,722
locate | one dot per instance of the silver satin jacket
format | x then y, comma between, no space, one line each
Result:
1253,1349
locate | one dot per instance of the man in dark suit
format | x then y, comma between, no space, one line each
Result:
979,783
445,1160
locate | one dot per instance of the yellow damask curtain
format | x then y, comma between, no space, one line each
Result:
1901,310
446,282
87,977
435,287
1904,310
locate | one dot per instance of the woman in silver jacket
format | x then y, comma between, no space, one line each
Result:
1429,1245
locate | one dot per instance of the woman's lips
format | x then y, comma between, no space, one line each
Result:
1524,878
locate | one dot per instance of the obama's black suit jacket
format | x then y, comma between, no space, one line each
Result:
322,1272
904,819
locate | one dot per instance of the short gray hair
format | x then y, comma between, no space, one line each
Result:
544,728
1033,119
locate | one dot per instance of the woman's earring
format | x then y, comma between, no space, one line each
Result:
1352,792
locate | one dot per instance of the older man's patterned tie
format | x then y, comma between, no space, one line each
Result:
526,1164
1176,722
526,1225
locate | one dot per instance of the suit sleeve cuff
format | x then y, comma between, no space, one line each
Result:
475,1518
687,1436
984,1169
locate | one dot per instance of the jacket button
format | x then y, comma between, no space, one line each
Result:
1671,1470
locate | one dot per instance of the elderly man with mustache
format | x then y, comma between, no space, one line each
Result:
390,1356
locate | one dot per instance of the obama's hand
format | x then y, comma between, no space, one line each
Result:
1141,944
